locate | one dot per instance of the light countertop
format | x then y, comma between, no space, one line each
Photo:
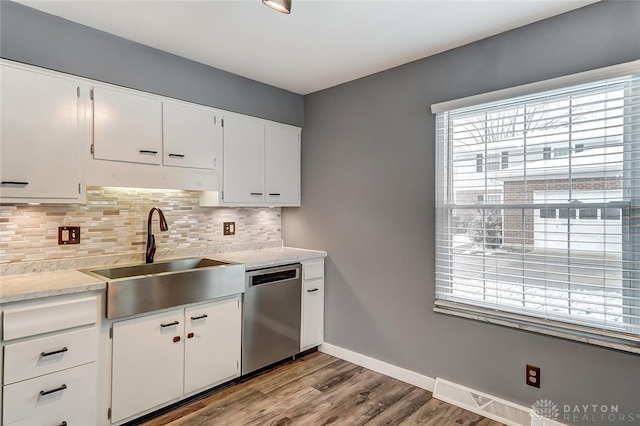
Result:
254,259
14,288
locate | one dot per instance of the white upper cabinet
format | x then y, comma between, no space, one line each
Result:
192,136
127,126
41,134
243,175
282,154
261,163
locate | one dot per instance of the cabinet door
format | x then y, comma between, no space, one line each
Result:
191,136
312,304
282,166
126,126
148,357
243,175
41,124
212,345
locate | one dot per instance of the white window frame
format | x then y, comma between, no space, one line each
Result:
586,334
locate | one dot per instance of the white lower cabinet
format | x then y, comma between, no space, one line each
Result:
148,355
161,357
312,333
51,397
212,347
49,370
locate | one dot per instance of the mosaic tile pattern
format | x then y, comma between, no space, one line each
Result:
114,221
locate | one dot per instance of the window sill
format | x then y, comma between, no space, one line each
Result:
549,328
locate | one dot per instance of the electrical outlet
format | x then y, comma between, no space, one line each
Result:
229,228
533,376
68,235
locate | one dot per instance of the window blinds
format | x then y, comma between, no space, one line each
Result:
538,206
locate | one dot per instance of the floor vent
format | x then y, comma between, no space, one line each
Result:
486,405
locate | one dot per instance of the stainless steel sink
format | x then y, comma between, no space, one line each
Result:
136,289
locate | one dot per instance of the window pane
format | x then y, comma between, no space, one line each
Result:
565,213
588,213
549,165
611,214
548,213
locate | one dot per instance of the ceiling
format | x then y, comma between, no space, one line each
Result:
322,43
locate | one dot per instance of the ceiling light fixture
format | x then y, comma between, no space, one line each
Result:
282,6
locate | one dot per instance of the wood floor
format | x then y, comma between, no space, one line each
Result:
319,389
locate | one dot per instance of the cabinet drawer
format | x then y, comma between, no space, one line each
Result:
25,399
37,357
37,319
313,269
82,413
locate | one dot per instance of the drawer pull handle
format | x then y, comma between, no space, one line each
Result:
274,194
255,194
59,351
170,324
147,151
43,393
14,183
312,290
200,317
190,335
176,155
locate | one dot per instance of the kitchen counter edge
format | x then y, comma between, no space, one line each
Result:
17,288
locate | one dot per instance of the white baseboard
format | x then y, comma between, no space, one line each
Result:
381,367
494,408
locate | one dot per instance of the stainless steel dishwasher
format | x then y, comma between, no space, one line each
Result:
271,316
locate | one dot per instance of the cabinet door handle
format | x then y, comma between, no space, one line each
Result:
176,339
255,194
274,194
190,335
170,324
64,423
59,351
146,151
199,317
43,393
14,183
312,290
176,155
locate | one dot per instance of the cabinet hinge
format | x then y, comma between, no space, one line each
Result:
92,148
222,195
91,94
79,188
111,332
222,122
78,91
109,413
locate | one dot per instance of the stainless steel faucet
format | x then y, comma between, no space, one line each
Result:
151,239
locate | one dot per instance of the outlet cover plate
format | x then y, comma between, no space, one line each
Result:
229,228
68,235
533,376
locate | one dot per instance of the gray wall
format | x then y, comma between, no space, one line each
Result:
33,37
368,200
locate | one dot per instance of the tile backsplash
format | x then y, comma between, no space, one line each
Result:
114,221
